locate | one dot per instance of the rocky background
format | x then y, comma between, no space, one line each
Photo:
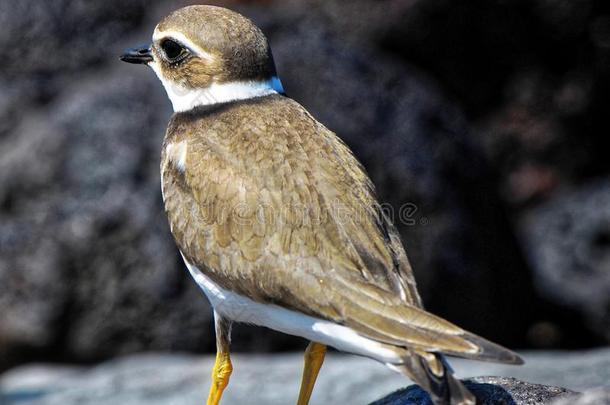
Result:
483,123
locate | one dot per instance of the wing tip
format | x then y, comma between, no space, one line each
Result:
490,351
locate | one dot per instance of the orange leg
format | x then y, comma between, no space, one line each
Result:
314,357
222,366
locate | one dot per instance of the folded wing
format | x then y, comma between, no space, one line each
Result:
281,212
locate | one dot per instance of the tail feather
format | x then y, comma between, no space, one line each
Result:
488,351
432,373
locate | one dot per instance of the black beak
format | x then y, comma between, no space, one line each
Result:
139,55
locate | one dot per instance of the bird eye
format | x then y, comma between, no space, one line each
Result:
173,50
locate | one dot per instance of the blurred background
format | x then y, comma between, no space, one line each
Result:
488,119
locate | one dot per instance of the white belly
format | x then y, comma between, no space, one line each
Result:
242,309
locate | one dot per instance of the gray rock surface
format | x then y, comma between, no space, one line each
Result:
273,379
592,397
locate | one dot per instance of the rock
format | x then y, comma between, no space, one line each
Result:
568,242
488,391
38,38
159,379
95,263
43,44
536,116
592,397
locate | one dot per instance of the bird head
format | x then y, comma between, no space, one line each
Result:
207,55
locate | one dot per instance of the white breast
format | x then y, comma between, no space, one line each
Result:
242,309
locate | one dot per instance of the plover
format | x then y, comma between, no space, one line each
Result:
277,221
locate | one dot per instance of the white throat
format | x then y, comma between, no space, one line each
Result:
184,99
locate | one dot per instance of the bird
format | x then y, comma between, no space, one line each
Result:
278,222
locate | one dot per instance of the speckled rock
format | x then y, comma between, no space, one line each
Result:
592,397
488,391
